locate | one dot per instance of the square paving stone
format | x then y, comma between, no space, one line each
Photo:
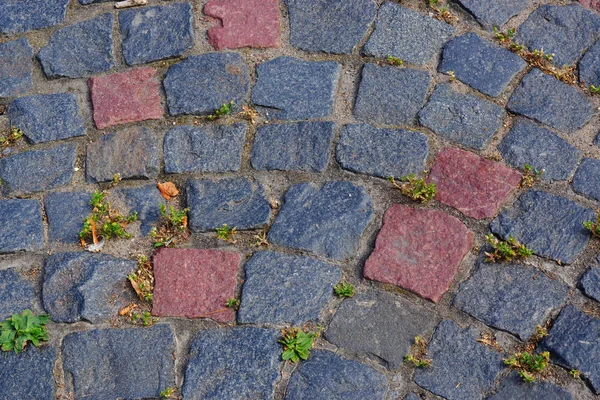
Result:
494,13
590,283
79,50
551,102
390,95
15,67
22,16
419,250
47,117
237,202
475,186
462,368
244,23
123,97
285,289
550,225
294,89
589,66
208,148
511,297
302,146
530,143
407,34
573,343
587,178
145,201
155,33
325,375
246,365
565,31
513,388
194,283
461,118
19,290
37,170
119,363
335,26
133,153
369,150
328,221
21,225
28,375
481,64
199,85
66,212
379,325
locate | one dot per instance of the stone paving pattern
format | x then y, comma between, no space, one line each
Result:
99,91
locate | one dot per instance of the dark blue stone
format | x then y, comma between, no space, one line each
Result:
20,225
590,283
369,150
290,88
66,212
551,226
80,50
300,146
146,201
18,291
46,117
481,64
208,148
328,221
155,33
22,16
587,178
589,66
494,13
513,388
237,202
266,295
390,95
28,375
15,67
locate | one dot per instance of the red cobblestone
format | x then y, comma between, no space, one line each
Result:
594,4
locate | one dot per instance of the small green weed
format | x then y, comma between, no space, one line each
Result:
172,227
530,176
344,289
527,364
504,36
296,344
168,393
19,329
575,373
12,138
233,303
394,61
415,188
226,233
506,250
221,112
418,353
442,12
144,318
594,89
142,280
593,226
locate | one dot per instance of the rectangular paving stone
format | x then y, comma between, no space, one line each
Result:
29,374
21,16
66,212
587,178
21,225
16,61
513,387
19,290
589,70
494,13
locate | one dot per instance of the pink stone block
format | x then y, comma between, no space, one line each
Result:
123,97
419,250
195,283
244,23
473,185
594,4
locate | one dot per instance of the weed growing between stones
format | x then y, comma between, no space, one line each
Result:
145,318
261,239
394,61
442,12
527,364
593,226
249,114
344,289
142,280
233,303
20,329
418,353
221,112
11,138
168,393
506,250
488,339
226,233
296,344
172,228
594,89
575,373
530,176
415,188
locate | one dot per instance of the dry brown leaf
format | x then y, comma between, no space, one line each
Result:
168,190
137,289
127,310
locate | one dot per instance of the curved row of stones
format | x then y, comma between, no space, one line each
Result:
320,229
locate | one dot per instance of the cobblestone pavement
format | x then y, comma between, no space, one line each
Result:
321,102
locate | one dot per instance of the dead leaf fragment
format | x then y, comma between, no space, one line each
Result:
127,310
168,190
137,289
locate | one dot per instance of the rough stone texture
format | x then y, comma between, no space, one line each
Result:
154,33
37,170
246,365
573,343
407,34
199,85
565,31
208,148
551,102
120,363
237,202
494,13
20,226
80,50
22,16
46,117
28,375
418,249
194,283
593,4
513,388
15,67
551,226
461,118
412,396
590,283
330,26
589,72
328,221
380,325
473,185
587,177
369,150
511,297
390,95
133,153
459,358
65,212
123,97
481,64
300,146
529,143
245,23
285,289
18,291
325,375
86,286
146,201
294,89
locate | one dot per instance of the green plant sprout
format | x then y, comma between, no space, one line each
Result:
226,233
172,227
506,250
225,109
415,188
296,344
344,289
418,353
527,364
20,329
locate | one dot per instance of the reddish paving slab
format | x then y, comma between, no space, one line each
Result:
244,23
123,97
594,4
473,185
195,283
419,249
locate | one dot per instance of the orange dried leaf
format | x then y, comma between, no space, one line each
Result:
126,310
168,190
137,289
